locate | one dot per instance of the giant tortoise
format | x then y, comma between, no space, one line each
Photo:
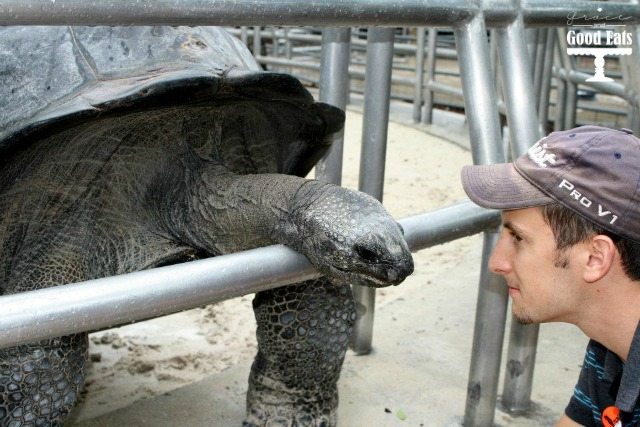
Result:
135,147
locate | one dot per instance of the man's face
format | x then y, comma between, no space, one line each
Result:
541,283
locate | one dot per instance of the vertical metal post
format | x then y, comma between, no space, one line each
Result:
431,76
484,130
571,109
488,336
244,35
257,42
524,130
532,43
287,47
561,86
274,44
334,89
631,65
561,104
493,56
570,88
372,157
419,85
538,64
545,87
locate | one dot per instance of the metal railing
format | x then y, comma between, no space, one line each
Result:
105,302
551,73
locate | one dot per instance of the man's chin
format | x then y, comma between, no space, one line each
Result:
523,318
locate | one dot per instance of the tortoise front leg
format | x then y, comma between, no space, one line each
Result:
303,332
41,382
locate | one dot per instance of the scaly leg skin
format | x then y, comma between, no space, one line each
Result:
40,383
303,333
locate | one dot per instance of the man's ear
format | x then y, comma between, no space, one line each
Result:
602,253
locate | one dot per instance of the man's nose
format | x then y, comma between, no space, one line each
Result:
499,262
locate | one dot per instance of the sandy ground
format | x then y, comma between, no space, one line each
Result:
428,320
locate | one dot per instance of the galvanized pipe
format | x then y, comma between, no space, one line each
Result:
111,301
447,13
552,13
545,87
233,13
334,90
257,41
571,88
419,82
493,58
484,132
479,93
630,74
517,82
372,158
611,88
431,75
401,81
629,80
561,88
538,64
358,44
524,130
488,335
445,89
446,224
244,36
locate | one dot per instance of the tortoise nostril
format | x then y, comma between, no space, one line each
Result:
407,267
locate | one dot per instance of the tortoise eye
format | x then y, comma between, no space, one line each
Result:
366,254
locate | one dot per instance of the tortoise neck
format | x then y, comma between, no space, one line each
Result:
225,212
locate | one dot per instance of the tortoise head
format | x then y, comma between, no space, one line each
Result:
350,237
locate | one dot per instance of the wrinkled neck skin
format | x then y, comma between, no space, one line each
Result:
222,212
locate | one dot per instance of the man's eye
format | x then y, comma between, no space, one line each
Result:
515,236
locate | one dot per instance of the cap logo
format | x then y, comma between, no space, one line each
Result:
538,154
575,194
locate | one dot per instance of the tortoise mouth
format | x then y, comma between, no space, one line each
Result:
390,276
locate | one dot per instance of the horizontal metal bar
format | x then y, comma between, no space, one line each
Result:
235,13
360,75
111,301
554,13
611,88
447,13
445,89
400,48
446,224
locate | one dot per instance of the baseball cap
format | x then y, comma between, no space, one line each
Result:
594,171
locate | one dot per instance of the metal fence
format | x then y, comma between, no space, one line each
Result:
427,56
105,302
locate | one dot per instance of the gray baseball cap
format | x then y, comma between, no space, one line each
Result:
592,170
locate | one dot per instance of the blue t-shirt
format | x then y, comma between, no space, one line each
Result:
606,381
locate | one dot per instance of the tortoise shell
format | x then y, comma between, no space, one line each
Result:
52,78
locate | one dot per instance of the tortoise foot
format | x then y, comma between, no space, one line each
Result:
313,414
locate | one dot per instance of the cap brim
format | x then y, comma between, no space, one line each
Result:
500,186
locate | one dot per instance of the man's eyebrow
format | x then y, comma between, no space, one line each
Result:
514,228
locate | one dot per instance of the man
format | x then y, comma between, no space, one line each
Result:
570,252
